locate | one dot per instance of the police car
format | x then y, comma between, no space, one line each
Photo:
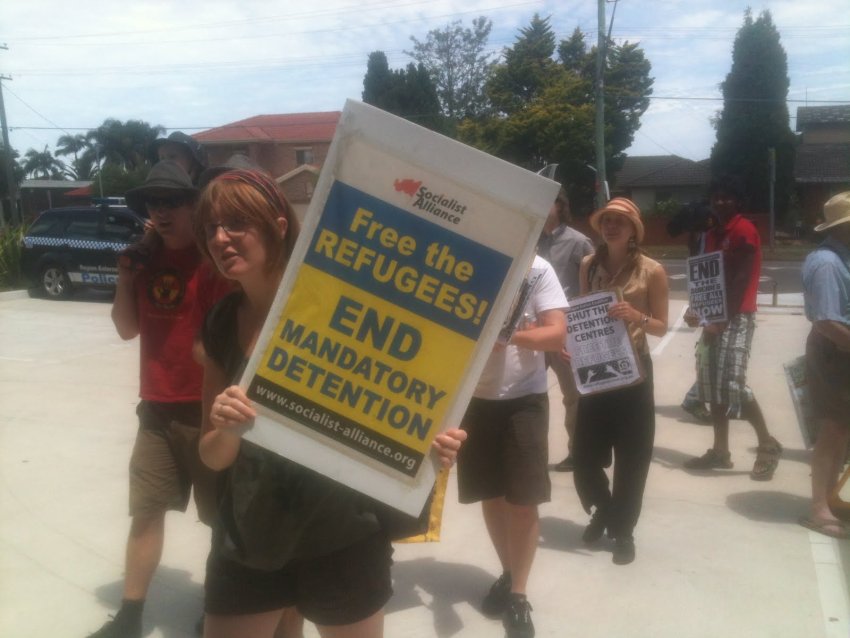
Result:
74,247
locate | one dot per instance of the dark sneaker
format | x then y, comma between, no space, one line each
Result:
711,460
567,465
624,550
121,626
517,618
594,530
496,600
698,411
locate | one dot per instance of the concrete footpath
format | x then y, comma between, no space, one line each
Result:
717,554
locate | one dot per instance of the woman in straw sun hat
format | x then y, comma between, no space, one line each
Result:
621,421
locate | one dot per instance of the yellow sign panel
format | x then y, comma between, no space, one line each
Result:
362,358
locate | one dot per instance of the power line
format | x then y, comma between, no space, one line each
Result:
415,115
45,118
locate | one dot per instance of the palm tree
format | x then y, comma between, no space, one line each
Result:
82,166
71,144
42,165
124,144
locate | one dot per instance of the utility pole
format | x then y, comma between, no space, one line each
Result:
10,173
601,180
602,192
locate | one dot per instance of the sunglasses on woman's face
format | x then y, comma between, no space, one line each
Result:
167,203
232,228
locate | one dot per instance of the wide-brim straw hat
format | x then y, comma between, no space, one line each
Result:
166,177
621,206
835,211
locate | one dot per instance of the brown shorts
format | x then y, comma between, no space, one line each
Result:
341,588
828,374
507,451
165,464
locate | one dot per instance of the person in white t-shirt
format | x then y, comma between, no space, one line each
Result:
503,463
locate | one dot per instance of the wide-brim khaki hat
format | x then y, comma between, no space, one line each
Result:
166,177
835,211
621,206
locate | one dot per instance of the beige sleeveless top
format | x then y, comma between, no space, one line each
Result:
635,287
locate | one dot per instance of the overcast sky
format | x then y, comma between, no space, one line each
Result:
191,65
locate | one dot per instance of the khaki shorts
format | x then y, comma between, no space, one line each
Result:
165,464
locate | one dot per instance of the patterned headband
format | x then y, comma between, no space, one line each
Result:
260,182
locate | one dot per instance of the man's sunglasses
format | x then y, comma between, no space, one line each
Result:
169,203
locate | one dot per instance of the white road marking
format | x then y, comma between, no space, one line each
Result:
659,347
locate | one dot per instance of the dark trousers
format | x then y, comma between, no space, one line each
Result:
621,422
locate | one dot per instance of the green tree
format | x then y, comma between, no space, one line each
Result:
527,70
117,180
755,115
408,93
17,175
456,59
42,165
545,107
17,171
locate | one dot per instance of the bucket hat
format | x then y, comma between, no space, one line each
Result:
198,152
621,206
835,211
166,177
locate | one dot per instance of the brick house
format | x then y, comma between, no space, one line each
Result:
822,164
292,148
650,179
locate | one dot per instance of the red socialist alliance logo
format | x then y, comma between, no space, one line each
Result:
407,186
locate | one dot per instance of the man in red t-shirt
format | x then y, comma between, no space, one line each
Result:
724,348
164,290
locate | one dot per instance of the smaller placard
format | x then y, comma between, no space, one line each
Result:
602,354
707,288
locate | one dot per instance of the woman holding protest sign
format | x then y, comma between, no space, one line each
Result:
289,538
620,421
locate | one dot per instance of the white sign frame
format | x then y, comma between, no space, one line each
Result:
504,210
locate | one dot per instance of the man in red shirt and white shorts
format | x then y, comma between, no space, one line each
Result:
724,348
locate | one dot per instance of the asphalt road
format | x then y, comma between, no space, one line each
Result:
786,274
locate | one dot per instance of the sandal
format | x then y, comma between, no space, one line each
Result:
833,529
767,459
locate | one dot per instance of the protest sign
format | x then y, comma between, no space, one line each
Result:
602,355
707,288
798,386
411,253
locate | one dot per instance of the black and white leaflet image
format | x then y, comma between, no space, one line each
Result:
707,288
601,351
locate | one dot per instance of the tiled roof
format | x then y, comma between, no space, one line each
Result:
294,127
822,163
661,170
809,115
